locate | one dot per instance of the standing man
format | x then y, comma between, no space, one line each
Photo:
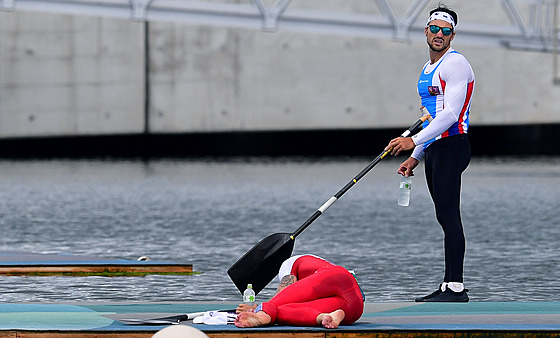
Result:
445,86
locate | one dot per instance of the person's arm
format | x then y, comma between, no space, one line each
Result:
418,152
284,283
399,144
407,167
245,308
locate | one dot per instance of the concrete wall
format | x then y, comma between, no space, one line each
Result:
65,75
70,75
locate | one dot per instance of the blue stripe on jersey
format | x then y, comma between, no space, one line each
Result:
429,90
428,94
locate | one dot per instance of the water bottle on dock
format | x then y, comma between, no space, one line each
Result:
404,191
249,295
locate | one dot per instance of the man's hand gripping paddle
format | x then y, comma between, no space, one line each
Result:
261,264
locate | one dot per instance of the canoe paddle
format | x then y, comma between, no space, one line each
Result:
261,264
157,318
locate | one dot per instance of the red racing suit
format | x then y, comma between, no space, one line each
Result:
321,287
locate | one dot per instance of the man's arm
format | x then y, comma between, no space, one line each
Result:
285,282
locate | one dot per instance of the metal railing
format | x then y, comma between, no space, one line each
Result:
532,24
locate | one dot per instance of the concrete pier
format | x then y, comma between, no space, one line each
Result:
71,75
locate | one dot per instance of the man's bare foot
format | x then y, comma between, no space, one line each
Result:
250,319
331,320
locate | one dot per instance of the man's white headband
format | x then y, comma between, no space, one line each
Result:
441,16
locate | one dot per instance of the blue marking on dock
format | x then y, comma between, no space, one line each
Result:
378,317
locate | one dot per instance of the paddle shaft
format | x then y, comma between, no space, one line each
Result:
355,180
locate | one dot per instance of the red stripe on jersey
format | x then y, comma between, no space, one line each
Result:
443,83
470,87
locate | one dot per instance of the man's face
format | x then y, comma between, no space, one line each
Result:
438,41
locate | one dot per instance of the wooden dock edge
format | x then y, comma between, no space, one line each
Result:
291,334
131,269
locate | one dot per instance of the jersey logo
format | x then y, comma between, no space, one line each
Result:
433,90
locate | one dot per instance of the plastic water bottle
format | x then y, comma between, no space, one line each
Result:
404,191
249,295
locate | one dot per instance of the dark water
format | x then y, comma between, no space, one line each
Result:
209,213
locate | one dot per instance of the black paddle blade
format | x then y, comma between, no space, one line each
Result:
261,264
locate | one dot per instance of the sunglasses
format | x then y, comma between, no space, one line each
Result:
445,30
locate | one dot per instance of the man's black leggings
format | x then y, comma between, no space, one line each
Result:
445,161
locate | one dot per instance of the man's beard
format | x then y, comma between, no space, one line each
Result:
442,48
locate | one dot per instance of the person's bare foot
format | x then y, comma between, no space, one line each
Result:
331,320
250,319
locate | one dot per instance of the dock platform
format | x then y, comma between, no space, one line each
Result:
474,319
39,264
